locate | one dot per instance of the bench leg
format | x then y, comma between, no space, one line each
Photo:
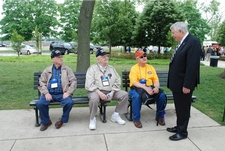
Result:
36,116
103,112
224,114
129,115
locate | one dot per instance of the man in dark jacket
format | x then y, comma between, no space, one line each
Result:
183,76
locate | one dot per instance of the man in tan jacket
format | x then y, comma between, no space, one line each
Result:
57,83
103,82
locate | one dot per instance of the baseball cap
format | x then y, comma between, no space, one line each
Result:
55,53
139,53
101,52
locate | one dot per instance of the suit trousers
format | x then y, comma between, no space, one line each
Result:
43,106
182,106
121,96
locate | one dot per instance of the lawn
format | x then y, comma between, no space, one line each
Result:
17,82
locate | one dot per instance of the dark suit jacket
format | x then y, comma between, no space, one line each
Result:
184,68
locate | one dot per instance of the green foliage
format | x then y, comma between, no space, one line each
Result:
25,15
154,23
16,41
113,21
69,13
196,24
220,37
37,36
213,17
150,56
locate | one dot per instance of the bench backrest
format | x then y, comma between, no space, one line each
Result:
163,75
81,76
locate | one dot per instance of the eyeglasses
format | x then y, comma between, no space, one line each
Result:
141,57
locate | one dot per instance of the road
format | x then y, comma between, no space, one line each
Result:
11,52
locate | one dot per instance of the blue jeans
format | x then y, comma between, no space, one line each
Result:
137,103
43,106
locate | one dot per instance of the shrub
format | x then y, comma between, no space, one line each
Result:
150,56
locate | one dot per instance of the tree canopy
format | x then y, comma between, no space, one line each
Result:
196,24
24,16
113,22
154,23
220,37
69,13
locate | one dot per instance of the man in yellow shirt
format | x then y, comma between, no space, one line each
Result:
143,75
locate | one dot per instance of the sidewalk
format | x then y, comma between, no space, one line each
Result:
221,64
18,132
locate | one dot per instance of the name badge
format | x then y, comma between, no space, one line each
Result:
105,81
54,85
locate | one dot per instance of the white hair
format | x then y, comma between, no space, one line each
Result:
179,26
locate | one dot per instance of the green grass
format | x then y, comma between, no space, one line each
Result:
16,82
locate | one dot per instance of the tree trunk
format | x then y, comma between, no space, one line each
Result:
84,26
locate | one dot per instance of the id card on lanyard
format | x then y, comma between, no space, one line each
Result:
105,80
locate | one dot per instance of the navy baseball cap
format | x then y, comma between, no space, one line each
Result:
55,53
101,52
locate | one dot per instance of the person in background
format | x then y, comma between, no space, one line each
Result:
209,52
183,77
57,83
143,75
203,53
103,82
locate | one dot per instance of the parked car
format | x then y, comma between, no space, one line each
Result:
95,46
92,49
27,49
2,45
63,47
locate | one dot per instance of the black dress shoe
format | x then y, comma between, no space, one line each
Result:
177,137
172,129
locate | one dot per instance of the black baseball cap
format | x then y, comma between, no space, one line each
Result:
55,53
101,52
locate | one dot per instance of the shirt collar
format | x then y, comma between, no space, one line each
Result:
184,37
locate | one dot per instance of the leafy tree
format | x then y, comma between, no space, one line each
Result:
196,24
24,16
84,27
213,16
69,12
37,36
220,37
154,23
113,22
16,40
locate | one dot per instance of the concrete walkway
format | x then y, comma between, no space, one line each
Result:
221,64
18,133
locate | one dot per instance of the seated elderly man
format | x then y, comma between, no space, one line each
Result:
143,76
57,83
103,82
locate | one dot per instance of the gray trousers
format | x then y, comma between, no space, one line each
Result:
121,107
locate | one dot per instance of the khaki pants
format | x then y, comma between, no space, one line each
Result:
121,107
208,56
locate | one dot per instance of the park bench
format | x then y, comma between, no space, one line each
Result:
81,76
162,75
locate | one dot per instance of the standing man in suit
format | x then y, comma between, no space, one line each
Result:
183,76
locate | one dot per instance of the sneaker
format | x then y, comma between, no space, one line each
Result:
92,125
117,119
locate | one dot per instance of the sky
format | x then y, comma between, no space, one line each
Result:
222,5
